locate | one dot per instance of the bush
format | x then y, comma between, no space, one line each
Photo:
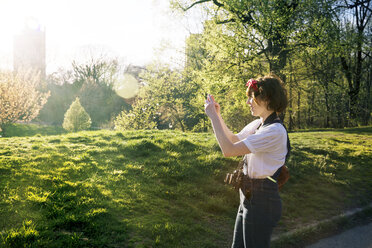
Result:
142,116
20,97
76,118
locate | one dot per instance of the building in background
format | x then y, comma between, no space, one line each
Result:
29,48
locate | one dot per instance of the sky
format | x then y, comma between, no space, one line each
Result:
136,31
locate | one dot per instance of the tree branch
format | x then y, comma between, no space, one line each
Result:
366,54
226,21
350,6
193,4
217,3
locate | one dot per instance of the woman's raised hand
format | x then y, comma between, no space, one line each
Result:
211,107
216,105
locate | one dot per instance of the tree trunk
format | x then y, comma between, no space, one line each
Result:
362,16
290,110
278,51
347,119
326,96
179,120
298,101
368,100
298,109
339,119
311,98
291,121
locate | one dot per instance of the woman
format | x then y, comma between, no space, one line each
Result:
264,144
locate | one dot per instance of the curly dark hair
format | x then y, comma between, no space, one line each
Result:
271,90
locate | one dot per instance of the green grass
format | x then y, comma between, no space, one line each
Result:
162,188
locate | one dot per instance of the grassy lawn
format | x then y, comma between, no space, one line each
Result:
162,188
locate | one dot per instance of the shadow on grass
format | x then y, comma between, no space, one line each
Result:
81,208
358,130
326,174
73,215
343,158
353,130
26,130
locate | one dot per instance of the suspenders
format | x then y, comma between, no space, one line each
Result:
271,119
239,180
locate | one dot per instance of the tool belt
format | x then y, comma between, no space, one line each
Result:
238,180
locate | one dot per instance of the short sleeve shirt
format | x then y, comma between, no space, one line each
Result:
268,146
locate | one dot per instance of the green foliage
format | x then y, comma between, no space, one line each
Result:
93,82
21,97
141,116
76,118
162,188
164,102
321,56
222,72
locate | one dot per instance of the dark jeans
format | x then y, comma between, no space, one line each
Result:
257,215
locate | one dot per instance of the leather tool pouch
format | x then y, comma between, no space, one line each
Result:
238,180
283,176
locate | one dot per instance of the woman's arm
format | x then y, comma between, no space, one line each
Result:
228,147
229,143
230,135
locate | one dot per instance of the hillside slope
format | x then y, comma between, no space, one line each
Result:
161,188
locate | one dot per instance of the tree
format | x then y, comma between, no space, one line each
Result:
163,102
62,94
247,39
330,56
143,115
356,46
264,27
93,82
219,63
20,98
76,118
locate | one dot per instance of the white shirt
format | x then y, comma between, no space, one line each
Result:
268,146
